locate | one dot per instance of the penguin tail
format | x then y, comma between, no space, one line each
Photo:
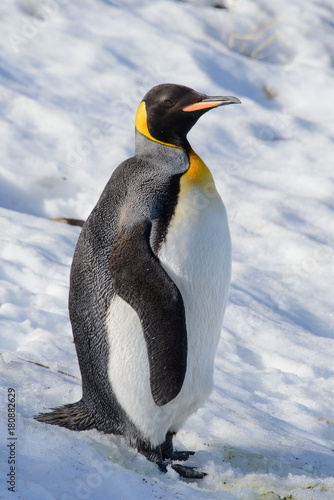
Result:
73,416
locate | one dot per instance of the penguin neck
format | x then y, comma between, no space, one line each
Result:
164,155
186,162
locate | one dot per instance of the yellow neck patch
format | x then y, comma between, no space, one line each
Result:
197,174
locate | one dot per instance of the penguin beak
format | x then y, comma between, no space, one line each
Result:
211,102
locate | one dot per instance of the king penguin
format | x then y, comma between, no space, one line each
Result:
149,284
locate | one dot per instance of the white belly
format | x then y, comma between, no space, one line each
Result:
197,256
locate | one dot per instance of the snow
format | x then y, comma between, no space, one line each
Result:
71,78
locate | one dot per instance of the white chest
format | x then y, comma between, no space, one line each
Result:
197,256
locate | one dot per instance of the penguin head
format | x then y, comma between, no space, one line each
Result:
167,112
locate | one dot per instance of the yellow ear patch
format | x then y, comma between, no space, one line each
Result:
141,121
141,125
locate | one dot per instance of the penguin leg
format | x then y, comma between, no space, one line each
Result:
168,452
152,454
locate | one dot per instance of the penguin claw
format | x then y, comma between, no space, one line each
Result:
162,466
188,472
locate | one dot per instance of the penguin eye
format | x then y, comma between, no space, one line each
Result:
169,102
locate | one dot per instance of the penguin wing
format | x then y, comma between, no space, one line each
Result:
139,279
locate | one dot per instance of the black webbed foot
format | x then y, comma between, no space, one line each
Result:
163,455
169,455
188,472
182,456
168,452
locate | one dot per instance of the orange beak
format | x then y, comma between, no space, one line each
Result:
211,102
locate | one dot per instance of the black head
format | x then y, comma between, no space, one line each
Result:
168,112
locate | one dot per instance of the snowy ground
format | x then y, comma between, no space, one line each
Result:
71,77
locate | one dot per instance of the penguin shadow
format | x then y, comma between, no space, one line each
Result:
227,466
244,460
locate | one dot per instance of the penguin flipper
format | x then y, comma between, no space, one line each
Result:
140,280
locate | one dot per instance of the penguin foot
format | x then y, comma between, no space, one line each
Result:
168,452
164,455
188,472
182,456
